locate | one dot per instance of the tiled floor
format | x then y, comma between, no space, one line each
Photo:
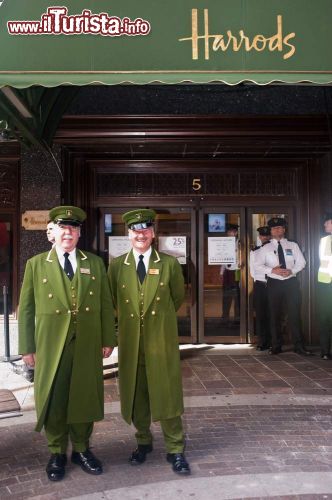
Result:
208,371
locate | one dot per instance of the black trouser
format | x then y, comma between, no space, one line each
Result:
325,316
287,293
262,314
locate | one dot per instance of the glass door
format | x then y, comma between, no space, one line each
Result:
175,235
213,247
221,287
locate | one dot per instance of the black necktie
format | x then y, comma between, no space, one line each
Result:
141,271
68,267
281,256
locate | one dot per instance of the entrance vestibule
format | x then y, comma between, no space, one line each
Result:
212,245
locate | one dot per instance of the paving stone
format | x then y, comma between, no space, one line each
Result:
223,440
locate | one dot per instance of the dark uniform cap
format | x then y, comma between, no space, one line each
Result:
277,221
230,227
264,231
327,217
67,215
141,218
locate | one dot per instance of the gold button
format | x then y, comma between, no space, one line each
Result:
90,293
158,298
161,284
127,301
69,311
93,277
142,303
74,313
142,294
87,309
73,288
50,295
44,280
57,311
153,313
73,295
123,286
131,315
74,304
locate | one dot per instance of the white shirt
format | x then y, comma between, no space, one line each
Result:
146,257
256,273
267,258
72,258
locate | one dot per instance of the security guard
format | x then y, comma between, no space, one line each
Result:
281,260
66,327
147,289
325,289
260,293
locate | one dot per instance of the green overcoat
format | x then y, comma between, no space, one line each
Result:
46,313
163,294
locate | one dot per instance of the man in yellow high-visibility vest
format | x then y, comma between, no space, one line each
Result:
325,289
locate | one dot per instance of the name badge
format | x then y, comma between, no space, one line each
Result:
84,270
153,271
289,251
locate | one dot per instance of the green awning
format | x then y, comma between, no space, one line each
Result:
84,42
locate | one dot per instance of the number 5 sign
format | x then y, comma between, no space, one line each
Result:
197,184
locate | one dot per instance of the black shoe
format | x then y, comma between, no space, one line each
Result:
326,357
55,468
303,351
261,348
138,456
88,462
277,350
179,463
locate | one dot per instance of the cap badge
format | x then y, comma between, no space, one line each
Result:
139,216
69,213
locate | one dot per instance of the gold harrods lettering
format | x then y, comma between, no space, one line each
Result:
229,41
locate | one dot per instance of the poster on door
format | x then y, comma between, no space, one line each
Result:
118,245
174,245
221,250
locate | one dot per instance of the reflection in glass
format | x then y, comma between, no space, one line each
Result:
222,281
108,223
177,225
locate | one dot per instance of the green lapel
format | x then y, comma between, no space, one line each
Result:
152,280
55,276
83,276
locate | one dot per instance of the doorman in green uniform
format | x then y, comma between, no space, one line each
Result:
325,289
66,327
147,289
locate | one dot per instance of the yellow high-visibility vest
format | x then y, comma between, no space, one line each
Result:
325,256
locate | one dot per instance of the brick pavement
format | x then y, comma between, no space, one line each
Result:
257,426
